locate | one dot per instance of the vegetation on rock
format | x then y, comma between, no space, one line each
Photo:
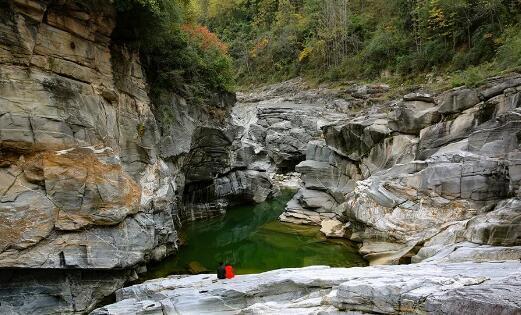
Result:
177,54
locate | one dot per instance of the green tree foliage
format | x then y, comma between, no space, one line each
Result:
272,40
177,54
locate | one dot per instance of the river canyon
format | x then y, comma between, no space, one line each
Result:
96,187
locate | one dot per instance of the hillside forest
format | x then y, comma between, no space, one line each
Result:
199,46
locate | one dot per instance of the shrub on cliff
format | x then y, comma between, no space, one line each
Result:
176,54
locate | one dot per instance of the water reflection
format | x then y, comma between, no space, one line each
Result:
253,240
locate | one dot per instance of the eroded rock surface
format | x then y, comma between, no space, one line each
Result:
90,178
92,181
279,120
422,176
481,288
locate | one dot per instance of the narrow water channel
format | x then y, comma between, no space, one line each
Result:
253,240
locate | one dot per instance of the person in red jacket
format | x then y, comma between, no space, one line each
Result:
228,269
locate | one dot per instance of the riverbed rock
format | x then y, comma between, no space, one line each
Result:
327,178
195,267
394,150
434,137
71,291
458,100
421,288
356,138
280,120
93,178
246,185
296,214
333,228
500,227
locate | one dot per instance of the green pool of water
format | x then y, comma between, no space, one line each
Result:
253,240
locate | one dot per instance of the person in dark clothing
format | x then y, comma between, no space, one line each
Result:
221,272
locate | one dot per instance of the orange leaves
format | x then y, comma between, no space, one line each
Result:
206,39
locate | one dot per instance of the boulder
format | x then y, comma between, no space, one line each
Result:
333,228
296,214
419,96
195,267
457,100
356,138
317,200
497,88
412,116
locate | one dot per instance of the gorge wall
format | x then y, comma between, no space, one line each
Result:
425,177
92,186
430,179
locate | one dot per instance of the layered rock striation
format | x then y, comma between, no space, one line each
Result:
429,176
486,288
92,181
279,121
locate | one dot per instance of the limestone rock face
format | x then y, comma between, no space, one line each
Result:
413,116
327,179
458,100
249,185
88,179
482,288
56,292
279,120
78,140
436,177
356,138
398,149
461,171
501,227
93,184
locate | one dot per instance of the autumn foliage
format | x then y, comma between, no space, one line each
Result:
274,40
178,54
206,39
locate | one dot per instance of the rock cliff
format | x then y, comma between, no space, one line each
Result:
427,176
92,183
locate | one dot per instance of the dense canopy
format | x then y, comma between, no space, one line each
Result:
189,43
